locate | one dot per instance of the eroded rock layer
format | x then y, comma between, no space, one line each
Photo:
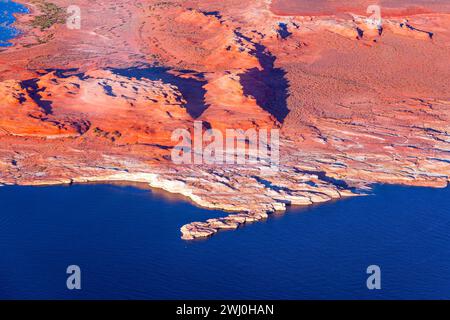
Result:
355,103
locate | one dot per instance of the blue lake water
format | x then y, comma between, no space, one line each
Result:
127,243
7,9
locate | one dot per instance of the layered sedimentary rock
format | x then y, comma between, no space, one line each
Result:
356,104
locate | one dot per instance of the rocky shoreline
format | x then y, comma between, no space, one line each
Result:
101,103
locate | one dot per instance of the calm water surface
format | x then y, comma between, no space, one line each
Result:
127,243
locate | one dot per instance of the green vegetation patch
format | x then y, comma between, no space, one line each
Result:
51,14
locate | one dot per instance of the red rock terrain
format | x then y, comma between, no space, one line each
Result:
355,105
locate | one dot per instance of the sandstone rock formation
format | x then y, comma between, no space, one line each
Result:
355,105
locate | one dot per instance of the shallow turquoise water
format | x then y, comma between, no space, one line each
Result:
127,244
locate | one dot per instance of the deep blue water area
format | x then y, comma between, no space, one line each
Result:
127,243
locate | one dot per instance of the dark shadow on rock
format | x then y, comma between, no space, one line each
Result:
360,33
33,90
191,89
65,73
283,31
268,86
322,175
213,13
410,27
108,89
